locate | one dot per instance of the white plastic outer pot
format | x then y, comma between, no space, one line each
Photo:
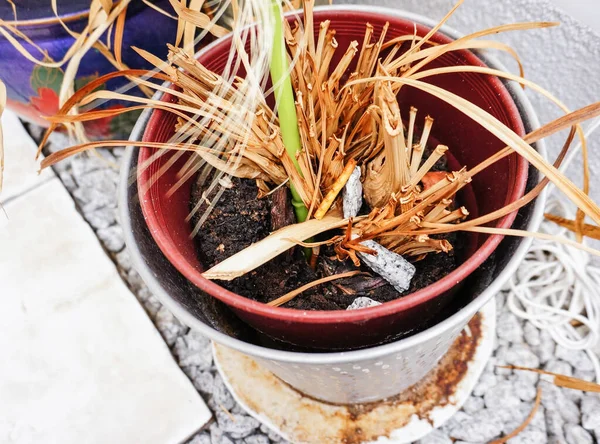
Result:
340,377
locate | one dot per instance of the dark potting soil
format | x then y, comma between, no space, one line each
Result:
240,219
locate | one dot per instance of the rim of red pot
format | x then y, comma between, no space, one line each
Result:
403,303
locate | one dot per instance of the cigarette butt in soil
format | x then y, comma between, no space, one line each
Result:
389,265
335,189
353,194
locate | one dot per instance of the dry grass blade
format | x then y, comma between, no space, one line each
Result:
335,190
559,124
509,232
571,225
88,89
562,380
491,31
119,30
197,18
523,426
158,9
2,108
292,294
505,134
270,247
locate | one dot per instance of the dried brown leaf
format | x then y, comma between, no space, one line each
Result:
559,380
270,247
587,230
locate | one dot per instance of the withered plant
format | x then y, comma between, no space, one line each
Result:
331,125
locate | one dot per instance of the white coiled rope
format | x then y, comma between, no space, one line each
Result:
557,287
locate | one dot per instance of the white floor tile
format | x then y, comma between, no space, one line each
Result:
21,168
81,361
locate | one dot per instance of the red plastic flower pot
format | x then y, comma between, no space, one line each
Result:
469,143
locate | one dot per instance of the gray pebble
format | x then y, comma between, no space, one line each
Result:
204,381
168,326
151,304
236,426
137,284
554,426
389,265
352,194
201,438
524,387
558,366
217,436
575,434
101,218
520,414
500,359
501,342
577,358
573,395
475,428
590,409
528,436
530,377
531,334
545,350
554,399
237,409
194,349
509,328
67,179
83,165
436,437
500,303
502,395
585,375
221,398
473,405
362,302
256,439
270,433
486,381
112,238
97,189
123,260
521,355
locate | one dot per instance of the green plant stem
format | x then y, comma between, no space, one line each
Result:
286,108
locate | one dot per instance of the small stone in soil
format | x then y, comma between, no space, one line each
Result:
389,265
363,302
352,196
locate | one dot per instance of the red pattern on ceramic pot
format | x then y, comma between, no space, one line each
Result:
33,90
469,144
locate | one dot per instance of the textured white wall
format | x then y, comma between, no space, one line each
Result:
564,60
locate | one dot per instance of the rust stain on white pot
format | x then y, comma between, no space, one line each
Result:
302,419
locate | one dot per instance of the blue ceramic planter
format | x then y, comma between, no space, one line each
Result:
33,90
